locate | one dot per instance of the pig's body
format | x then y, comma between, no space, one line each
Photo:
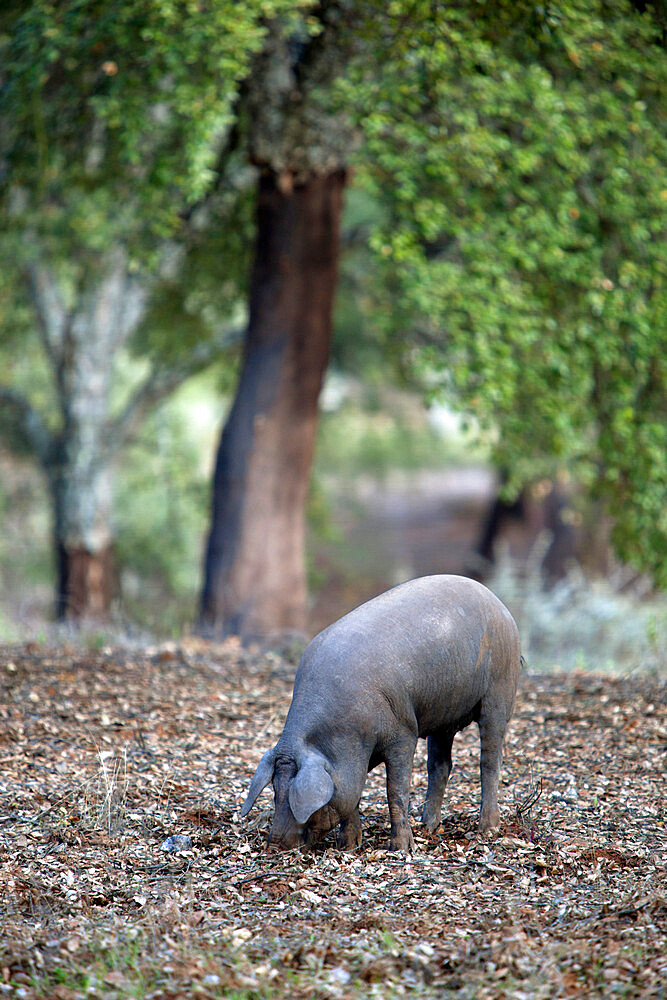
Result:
422,660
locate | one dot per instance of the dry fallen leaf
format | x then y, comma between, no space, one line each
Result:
118,751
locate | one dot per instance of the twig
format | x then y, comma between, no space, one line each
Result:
529,801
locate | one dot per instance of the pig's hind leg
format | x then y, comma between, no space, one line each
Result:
439,768
398,761
492,725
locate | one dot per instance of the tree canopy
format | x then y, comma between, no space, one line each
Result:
112,113
512,153
113,118
519,158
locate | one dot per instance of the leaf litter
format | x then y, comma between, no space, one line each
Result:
108,756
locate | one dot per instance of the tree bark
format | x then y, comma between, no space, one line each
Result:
255,582
82,344
82,498
84,582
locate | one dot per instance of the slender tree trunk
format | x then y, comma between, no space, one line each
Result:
85,583
81,481
82,342
255,580
82,345
85,575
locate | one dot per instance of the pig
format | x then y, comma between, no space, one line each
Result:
424,659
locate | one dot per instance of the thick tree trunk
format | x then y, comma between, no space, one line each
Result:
255,581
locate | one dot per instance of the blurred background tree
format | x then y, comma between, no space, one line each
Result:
113,116
504,248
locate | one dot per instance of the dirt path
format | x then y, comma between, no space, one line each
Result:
388,531
105,755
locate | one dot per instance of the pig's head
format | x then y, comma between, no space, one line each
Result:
303,789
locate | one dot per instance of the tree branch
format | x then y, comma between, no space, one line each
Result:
53,322
21,419
50,310
111,304
159,384
229,145
133,306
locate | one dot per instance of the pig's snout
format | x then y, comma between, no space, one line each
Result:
284,843
285,833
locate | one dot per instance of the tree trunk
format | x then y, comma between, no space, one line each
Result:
85,583
82,345
255,581
85,577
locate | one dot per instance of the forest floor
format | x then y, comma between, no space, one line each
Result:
106,754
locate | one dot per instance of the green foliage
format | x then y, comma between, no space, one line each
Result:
522,262
357,344
112,113
204,291
23,366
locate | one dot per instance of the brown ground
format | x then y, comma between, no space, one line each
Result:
103,755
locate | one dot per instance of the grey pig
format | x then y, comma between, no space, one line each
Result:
424,659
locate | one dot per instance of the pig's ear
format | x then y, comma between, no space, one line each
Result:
263,776
311,788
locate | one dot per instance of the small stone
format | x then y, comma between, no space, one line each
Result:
178,842
340,976
425,949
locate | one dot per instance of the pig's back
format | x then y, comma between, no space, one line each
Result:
427,646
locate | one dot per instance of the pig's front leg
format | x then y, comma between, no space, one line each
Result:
398,760
349,832
439,769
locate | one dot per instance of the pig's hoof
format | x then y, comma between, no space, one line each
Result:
403,841
489,824
349,838
430,821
